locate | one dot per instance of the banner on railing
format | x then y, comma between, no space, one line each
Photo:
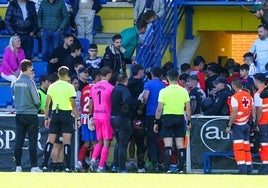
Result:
7,144
208,135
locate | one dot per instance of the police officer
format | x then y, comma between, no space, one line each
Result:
222,92
62,119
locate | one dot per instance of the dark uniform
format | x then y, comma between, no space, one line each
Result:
219,106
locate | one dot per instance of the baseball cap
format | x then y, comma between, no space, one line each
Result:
82,70
220,79
256,7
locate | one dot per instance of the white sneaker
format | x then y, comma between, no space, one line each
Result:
141,170
36,169
18,169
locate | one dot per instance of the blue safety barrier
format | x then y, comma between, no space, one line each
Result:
208,155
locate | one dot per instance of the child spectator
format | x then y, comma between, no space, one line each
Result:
92,61
247,81
248,59
13,55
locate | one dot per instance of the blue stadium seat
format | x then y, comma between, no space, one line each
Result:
6,96
4,32
36,49
2,80
85,44
3,44
40,68
4,1
97,25
103,1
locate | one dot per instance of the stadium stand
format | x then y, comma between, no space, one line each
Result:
3,44
6,96
36,50
2,80
4,1
85,44
4,32
40,68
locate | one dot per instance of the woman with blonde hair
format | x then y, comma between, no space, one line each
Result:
13,54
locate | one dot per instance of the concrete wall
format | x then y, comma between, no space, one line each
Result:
224,31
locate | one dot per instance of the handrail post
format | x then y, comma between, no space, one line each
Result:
175,28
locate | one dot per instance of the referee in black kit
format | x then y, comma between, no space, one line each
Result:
172,100
62,95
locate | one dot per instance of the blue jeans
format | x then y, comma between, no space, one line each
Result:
50,40
26,123
27,43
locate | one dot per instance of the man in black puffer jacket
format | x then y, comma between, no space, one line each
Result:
21,19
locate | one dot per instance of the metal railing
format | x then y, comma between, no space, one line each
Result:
160,37
163,33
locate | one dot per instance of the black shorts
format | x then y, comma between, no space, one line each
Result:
173,126
61,122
